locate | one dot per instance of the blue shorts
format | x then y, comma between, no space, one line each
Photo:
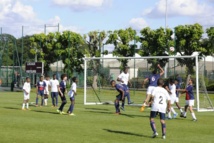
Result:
153,114
126,87
72,98
54,94
41,92
119,97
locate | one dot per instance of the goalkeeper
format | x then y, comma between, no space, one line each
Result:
120,97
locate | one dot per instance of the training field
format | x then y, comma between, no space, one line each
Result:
94,124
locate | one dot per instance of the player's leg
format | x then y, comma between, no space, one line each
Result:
71,108
185,109
64,101
172,109
52,97
56,96
23,104
42,98
191,104
117,104
177,104
163,125
27,104
37,98
152,123
46,99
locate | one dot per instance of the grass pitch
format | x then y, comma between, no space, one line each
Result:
93,124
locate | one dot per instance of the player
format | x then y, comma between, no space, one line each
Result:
153,78
189,100
178,86
54,84
63,90
26,89
160,97
41,85
172,92
123,78
72,93
121,97
46,94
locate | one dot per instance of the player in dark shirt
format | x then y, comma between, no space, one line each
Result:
63,90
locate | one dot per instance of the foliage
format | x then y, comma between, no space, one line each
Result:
121,39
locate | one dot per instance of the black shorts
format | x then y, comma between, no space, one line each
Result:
153,114
119,97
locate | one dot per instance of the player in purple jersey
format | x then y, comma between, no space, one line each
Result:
189,100
63,90
120,97
41,85
152,79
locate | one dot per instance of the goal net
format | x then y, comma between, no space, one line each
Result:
98,72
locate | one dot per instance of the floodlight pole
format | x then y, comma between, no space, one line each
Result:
166,66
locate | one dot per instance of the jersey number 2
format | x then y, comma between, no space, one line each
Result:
161,100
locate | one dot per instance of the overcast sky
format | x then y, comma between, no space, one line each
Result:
86,15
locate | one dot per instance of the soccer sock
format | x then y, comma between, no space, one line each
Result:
42,102
185,113
27,105
128,97
169,114
57,100
23,105
45,101
37,99
71,108
152,123
123,104
163,129
173,111
193,115
181,110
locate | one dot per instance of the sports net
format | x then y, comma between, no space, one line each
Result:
100,71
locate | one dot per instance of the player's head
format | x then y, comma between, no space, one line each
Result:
27,79
54,76
154,71
47,77
113,83
171,81
74,79
160,82
126,68
190,81
176,81
63,77
41,78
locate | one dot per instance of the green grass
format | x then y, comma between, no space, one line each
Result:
93,124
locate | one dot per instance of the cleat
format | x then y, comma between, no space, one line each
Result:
185,116
71,114
23,109
122,108
130,103
194,120
117,113
164,137
175,115
155,135
181,115
62,113
58,111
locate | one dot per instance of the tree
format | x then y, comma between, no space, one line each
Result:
210,43
156,43
187,42
94,41
121,39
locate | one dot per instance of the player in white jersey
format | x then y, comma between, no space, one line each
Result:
47,81
160,97
26,89
54,84
172,93
123,78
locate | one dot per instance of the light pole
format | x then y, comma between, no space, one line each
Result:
166,66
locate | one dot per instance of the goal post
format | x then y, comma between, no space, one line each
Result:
99,71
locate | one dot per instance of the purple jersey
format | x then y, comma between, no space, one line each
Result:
41,85
177,87
189,93
153,79
120,87
62,86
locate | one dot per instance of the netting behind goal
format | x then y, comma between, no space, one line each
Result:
100,71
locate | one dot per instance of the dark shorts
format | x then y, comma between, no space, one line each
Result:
54,94
72,98
153,114
41,92
119,97
63,98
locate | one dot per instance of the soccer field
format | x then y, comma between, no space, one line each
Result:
93,124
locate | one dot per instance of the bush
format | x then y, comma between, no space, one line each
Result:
210,87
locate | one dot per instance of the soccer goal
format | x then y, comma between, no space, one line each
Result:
99,71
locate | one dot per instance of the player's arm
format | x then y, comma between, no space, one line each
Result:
25,89
167,88
37,88
161,70
59,91
129,83
168,105
144,81
123,94
119,79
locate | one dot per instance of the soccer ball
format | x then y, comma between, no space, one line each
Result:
172,49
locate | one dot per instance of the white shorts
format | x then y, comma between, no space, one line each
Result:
190,102
172,100
26,97
150,90
177,99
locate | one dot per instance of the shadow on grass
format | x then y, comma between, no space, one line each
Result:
13,108
126,133
39,111
97,109
127,115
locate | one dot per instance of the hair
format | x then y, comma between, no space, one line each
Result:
54,75
112,81
126,67
74,78
27,78
171,80
160,82
63,76
41,76
192,80
154,71
47,76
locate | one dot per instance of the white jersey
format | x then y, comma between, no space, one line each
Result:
54,83
47,82
73,88
124,77
160,96
27,88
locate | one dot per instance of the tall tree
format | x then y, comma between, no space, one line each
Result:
94,41
121,39
188,41
156,43
210,45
